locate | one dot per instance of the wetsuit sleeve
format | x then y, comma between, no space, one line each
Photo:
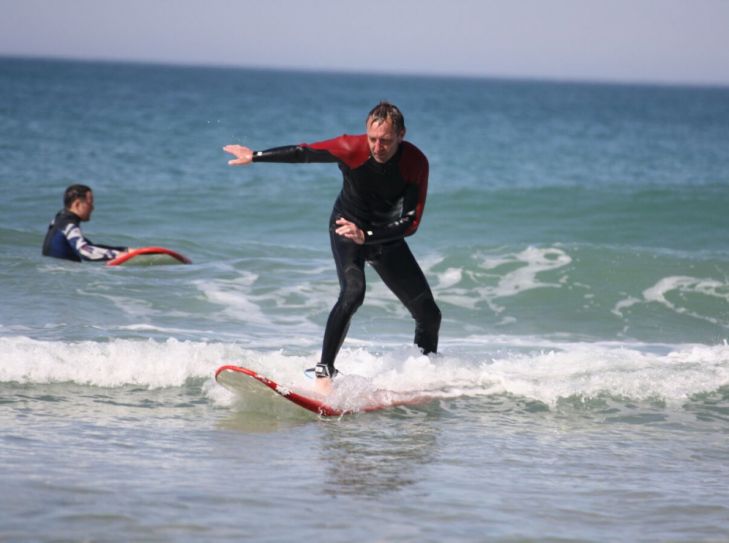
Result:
406,225
85,249
293,154
414,168
351,150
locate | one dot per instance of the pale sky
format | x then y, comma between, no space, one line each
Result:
662,41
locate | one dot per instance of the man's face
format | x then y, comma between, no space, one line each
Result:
383,140
84,206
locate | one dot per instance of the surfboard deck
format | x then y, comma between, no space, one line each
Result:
147,256
239,380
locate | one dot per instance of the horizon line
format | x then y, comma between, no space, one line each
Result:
575,80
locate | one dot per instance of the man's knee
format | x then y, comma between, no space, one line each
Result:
352,294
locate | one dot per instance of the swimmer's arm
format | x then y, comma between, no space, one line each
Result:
87,250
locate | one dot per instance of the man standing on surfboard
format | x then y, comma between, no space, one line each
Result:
64,238
381,202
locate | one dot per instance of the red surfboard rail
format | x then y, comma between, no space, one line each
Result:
312,404
121,259
319,406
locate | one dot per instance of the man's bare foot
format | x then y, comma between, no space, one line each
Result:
323,385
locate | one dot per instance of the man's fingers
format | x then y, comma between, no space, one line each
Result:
242,155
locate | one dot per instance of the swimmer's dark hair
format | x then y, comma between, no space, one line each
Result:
385,111
73,193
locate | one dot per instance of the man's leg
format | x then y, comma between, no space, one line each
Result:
349,260
399,270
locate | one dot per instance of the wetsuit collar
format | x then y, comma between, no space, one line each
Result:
382,166
70,215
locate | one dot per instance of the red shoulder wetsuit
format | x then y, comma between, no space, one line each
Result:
385,200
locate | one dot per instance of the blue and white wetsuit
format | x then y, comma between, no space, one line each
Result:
64,239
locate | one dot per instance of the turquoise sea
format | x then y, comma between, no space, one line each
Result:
576,237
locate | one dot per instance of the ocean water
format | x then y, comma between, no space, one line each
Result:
575,237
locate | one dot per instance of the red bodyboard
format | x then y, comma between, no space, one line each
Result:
148,251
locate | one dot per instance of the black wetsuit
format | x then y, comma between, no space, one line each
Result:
386,201
65,240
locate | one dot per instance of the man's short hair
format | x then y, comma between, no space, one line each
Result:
73,193
385,111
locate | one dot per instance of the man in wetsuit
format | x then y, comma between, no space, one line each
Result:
381,202
64,238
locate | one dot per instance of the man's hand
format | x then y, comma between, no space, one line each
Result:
243,155
349,230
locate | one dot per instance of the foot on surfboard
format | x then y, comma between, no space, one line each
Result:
321,371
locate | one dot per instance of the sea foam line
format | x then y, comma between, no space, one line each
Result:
680,287
543,371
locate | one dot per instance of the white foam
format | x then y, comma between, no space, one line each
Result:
449,278
678,288
552,370
235,297
535,368
109,364
244,299
502,276
531,262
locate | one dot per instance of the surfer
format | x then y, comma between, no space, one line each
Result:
64,238
385,180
